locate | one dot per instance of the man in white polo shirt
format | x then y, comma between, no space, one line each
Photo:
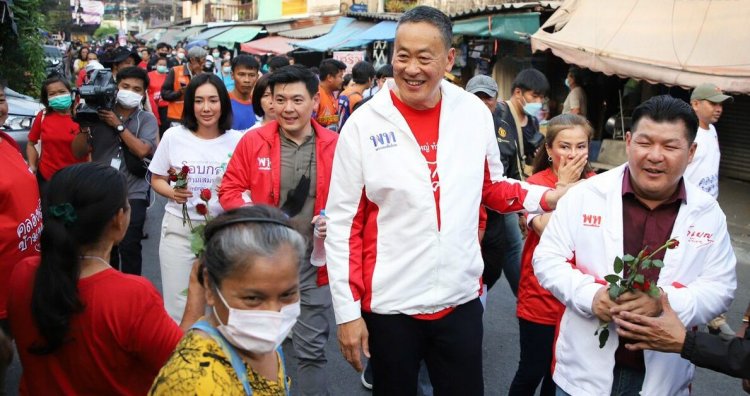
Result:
707,101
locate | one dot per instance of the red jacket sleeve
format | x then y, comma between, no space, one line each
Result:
237,178
503,196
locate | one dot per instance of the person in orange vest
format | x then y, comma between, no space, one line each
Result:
178,79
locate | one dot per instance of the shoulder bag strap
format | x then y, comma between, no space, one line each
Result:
237,364
520,160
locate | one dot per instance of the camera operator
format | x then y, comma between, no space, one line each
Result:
173,90
118,59
122,138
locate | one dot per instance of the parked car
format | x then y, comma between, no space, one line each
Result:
53,60
21,112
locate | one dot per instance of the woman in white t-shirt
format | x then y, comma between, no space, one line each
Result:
204,143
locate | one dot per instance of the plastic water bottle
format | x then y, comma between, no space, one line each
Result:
318,256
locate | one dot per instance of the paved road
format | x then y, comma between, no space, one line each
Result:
500,337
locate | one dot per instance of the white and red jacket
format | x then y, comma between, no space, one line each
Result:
385,251
698,276
256,167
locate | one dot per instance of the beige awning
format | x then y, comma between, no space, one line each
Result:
673,42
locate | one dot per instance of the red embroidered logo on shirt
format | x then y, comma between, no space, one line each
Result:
592,220
264,163
699,238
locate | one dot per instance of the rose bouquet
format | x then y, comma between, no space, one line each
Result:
180,183
197,243
633,279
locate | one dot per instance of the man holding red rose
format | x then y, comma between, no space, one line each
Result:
698,274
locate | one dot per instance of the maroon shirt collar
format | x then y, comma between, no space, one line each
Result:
679,194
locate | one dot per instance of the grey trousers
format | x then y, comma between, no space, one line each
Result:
310,334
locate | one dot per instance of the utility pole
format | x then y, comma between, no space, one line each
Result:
174,11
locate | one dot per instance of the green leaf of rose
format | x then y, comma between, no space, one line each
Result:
612,278
619,265
603,336
657,263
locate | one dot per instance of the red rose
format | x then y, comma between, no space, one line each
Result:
646,286
202,209
646,252
185,169
206,194
173,178
672,243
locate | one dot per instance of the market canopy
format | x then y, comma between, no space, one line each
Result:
672,42
514,27
236,34
188,32
277,45
209,33
308,32
343,29
383,31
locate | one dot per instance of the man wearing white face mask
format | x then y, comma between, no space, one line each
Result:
123,138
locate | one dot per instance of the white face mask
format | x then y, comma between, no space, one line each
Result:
257,331
128,99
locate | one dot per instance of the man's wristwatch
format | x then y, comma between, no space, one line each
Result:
746,319
120,128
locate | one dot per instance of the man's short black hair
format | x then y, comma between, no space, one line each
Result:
277,62
330,67
362,72
134,72
531,80
292,74
245,61
434,17
664,108
188,114
163,45
384,71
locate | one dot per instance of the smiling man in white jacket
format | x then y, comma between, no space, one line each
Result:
642,203
411,168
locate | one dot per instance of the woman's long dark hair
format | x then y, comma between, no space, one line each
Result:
81,201
555,125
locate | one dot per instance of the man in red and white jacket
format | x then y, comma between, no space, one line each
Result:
269,166
411,169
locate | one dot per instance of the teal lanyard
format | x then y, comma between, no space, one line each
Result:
237,364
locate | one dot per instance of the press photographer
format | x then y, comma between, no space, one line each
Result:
124,137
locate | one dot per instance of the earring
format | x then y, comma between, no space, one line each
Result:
549,159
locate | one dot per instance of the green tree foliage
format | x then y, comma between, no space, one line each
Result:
22,55
104,31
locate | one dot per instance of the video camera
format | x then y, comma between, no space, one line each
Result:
99,93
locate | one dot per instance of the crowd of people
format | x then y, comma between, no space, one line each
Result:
258,162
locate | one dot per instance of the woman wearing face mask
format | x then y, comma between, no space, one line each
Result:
263,102
225,73
82,327
55,129
562,160
156,81
251,282
203,145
